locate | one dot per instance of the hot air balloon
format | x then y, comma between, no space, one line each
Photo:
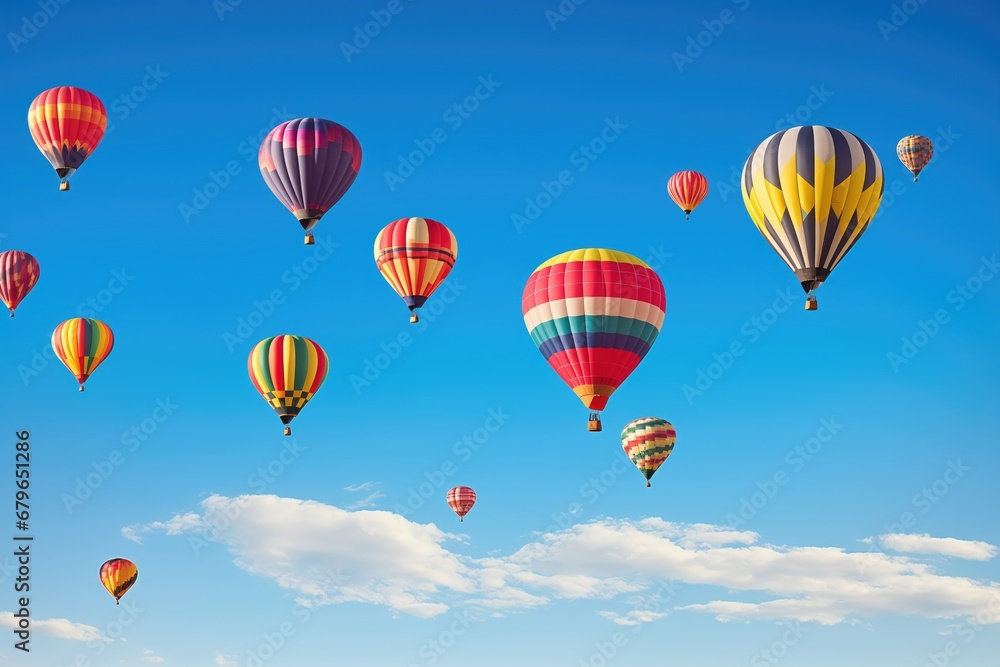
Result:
309,163
648,442
18,274
594,314
415,255
82,344
67,124
687,189
915,152
287,371
118,575
461,499
812,191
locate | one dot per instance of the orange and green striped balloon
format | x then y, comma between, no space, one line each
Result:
915,152
415,255
67,124
82,344
287,371
118,575
648,442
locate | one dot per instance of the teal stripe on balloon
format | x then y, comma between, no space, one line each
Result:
591,324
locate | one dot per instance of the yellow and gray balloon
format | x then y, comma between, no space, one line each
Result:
812,192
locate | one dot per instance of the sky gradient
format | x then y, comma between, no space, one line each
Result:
831,497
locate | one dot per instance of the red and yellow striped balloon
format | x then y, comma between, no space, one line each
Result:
118,575
18,274
67,124
594,314
82,344
287,371
687,189
415,255
461,499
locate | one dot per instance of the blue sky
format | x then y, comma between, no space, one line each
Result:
811,446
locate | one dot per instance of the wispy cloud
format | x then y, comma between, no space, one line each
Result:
632,618
367,486
178,525
369,500
149,657
387,560
943,546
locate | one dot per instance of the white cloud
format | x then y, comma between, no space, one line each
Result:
225,660
60,628
328,555
944,546
381,557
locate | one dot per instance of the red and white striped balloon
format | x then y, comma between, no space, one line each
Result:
461,499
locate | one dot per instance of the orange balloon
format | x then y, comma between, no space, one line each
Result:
118,575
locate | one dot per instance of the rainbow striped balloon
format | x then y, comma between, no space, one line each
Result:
81,345
287,371
648,442
594,314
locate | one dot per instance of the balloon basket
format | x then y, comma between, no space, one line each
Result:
310,240
64,186
461,519
413,318
648,484
811,303
81,387
594,424
288,430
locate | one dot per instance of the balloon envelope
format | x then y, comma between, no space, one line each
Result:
461,499
118,575
648,442
594,314
915,152
687,189
812,192
309,164
287,371
415,255
67,124
19,272
82,344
